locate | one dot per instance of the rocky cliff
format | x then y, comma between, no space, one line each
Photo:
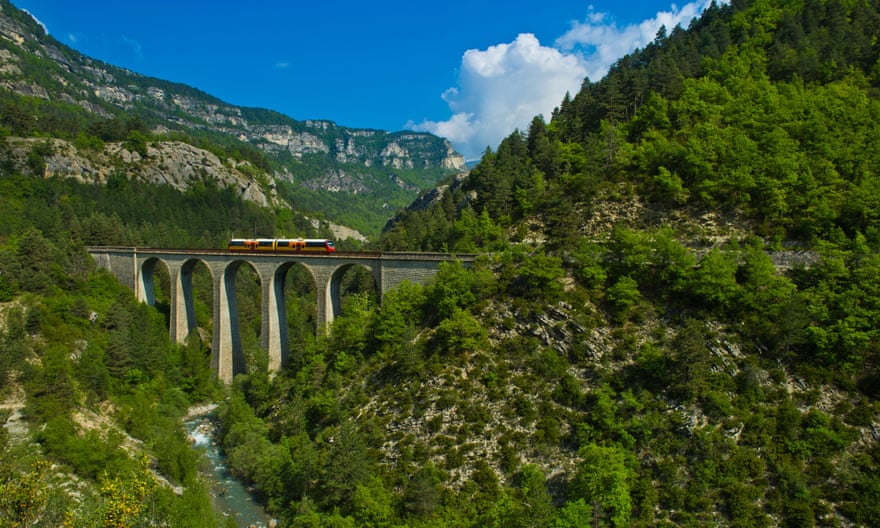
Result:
171,163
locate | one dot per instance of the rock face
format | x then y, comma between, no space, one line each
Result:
167,162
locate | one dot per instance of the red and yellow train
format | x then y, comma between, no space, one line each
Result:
282,245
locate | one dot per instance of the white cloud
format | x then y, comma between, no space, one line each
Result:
504,86
602,42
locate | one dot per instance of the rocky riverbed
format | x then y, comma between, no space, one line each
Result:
231,497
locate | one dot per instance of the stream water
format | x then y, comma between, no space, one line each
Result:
231,497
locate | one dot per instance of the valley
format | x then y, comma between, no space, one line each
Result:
668,315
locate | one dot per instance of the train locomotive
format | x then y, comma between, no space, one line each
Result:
282,245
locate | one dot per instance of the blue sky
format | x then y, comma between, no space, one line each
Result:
468,70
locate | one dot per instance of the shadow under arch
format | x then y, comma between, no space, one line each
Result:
148,278
155,287
276,329
227,350
184,323
335,288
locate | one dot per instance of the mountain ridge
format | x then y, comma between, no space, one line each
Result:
386,169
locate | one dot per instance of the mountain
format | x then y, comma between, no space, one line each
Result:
357,177
710,130
674,319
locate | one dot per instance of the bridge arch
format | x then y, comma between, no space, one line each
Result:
136,267
147,273
276,333
182,300
227,350
334,288
186,300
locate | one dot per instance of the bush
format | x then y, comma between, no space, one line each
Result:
461,333
623,297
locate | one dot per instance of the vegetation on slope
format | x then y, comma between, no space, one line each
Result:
612,389
101,389
615,359
631,355
91,370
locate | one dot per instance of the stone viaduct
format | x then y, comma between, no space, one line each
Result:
135,267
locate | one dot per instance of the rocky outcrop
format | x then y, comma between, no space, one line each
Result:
166,162
339,181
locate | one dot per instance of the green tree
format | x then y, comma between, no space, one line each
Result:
539,276
603,480
348,463
38,261
472,232
623,297
535,499
402,309
770,305
350,332
461,333
575,514
373,504
689,375
421,497
714,280
452,289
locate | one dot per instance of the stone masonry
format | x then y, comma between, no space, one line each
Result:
135,267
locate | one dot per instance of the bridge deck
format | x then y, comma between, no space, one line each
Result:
385,255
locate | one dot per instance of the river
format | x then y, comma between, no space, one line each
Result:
231,497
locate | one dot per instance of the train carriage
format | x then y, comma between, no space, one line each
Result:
282,245
319,245
265,245
238,244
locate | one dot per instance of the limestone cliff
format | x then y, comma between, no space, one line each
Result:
165,162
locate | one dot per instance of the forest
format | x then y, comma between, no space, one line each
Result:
673,322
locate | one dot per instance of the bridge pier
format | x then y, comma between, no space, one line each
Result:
227,354
273,333
183,315
135,268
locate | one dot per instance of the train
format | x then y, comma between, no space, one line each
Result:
282,245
